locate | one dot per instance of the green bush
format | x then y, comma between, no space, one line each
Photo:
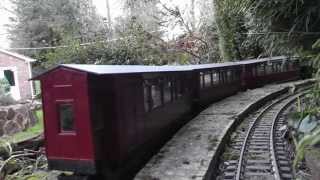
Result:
5,97
4,85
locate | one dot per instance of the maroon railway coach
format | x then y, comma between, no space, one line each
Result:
108,120
98,116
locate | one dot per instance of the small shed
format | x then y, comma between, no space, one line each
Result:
17,69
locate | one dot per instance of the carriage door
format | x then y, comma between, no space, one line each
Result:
68,128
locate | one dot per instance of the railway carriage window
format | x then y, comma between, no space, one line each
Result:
282,66
156,95
153,94
260,69
167,90
223,76
290,66
207,79
229,76
220,76
254,70
285,66
269,69
180,87
147,96
276,67
202,80
236,74
174,88
66,117
233,75
215,77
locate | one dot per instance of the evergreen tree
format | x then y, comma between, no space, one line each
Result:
43,23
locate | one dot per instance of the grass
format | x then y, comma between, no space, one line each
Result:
32,132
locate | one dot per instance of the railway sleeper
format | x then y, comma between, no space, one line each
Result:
281,152
234,162
262,129
285,169
250,174
263,168
284,163
259,143
231,168
254,138
260,134
282,157
229,175
265,124
255,161
252,144
286,176
236,146
265,147
280,148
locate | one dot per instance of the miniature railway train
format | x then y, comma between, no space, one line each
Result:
107,120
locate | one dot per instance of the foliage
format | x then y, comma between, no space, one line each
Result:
252,28
305,123
4,85
26,164
288,24
144,12
309,140
230,22
199,33
41,23
5,97
134,46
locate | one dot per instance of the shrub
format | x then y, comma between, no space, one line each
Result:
4,85
5,97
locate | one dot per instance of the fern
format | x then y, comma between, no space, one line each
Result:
307,141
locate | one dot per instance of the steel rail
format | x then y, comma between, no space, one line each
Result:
272,135
259,117
246,140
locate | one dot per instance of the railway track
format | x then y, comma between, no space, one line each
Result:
258,149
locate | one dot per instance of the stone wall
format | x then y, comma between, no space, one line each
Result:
16,118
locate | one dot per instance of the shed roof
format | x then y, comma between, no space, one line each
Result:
18,56
130,69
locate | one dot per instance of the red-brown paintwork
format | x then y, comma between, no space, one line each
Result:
65,85
112,125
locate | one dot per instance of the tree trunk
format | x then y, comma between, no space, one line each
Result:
109,17
193,16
